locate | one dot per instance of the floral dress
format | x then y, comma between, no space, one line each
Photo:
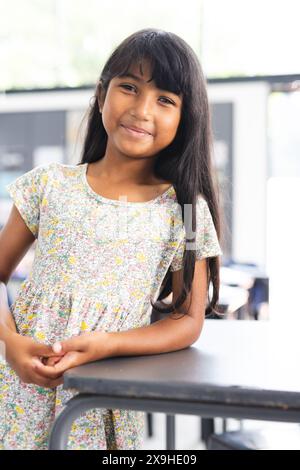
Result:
97,263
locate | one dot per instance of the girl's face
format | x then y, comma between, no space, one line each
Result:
132,101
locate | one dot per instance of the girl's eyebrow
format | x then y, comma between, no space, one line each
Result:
131,75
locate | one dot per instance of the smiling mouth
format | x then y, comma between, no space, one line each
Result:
135,133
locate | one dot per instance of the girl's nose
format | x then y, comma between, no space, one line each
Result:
142,108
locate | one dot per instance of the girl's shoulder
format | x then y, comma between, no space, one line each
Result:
53,169
63,169
46,175
55,172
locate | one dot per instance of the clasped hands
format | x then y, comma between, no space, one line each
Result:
72,352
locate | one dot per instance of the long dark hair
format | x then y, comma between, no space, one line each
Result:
187,161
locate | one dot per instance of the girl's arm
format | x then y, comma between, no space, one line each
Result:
15,240
19,351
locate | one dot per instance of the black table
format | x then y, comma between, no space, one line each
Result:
236,369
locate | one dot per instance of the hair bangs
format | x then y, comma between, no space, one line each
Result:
166,61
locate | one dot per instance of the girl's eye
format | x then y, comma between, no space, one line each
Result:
167,100
127,86
131,87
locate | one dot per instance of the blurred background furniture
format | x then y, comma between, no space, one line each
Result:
260,439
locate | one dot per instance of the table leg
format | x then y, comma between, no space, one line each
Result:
170,428
77,405
207,428
62,425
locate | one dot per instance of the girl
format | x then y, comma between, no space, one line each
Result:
101,262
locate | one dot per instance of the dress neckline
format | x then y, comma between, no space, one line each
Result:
118,202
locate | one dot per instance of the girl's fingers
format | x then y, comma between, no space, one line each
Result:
47,372
57,347
39,349
75,343
48,383
65,363
51,361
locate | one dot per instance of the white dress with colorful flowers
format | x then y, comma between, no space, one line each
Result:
97,263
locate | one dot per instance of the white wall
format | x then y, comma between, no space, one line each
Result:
44,101
249,166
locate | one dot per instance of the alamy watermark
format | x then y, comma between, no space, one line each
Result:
163,223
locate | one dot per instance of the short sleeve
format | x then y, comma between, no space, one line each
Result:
27,194
207,243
